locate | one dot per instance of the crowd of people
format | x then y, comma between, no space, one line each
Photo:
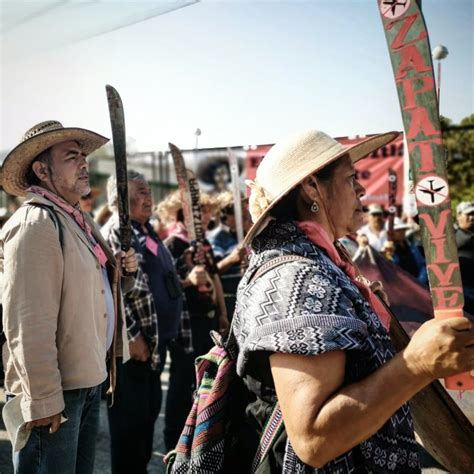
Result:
83,319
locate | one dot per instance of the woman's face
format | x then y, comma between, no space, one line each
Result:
343,193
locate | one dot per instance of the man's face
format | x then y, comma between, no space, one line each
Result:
141,203
344,193
68,174
376,221
466,221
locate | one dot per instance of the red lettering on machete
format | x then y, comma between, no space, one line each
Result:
399,40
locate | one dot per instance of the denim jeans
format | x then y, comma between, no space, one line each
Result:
71,450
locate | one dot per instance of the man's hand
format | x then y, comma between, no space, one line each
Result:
197,276
139,349
238,256
362,240
128,260
54,422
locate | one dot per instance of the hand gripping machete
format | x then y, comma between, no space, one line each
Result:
189,192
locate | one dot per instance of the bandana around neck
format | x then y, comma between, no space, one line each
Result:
319,237
76,214
178,229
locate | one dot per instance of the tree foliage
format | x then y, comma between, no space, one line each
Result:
459,144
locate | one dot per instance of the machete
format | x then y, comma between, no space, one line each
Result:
189,192
410,54
117,122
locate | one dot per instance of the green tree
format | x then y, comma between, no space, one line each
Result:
459,143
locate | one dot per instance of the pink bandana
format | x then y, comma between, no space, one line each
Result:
76,214
318,235
178,229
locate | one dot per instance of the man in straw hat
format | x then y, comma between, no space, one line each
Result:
311,333
62,303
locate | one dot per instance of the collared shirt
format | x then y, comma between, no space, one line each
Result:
375,240
223,241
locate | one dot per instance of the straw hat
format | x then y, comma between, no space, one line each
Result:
289,162
36,140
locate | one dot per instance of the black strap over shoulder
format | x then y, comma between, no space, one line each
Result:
57,224
54,217
231,344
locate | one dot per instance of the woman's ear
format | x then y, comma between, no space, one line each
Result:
310,190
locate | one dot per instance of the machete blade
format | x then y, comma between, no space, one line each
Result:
117,122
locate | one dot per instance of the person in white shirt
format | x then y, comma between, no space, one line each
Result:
375,228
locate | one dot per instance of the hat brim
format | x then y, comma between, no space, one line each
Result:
356,152
18,161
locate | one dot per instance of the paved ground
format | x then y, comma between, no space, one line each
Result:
156,465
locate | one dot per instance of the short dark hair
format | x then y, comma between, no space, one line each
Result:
227,211
30,176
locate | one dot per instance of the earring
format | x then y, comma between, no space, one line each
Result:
314,207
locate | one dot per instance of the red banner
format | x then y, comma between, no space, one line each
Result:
372,172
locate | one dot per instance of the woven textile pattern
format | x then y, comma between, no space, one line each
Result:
201,446
310,308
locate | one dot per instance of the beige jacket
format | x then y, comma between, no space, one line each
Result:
54,310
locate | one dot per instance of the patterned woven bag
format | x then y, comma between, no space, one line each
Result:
212,427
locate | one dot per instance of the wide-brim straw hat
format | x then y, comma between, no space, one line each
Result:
36,140
292,160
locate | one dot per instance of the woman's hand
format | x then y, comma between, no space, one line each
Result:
441,348
378,289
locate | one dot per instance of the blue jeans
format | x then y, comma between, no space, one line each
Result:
71,450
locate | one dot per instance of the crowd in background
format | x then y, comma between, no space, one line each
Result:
169,316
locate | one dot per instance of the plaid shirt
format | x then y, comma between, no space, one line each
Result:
140,308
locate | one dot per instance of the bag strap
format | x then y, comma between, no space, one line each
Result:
231,343
52,214
54,217
272,429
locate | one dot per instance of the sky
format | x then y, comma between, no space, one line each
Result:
243,72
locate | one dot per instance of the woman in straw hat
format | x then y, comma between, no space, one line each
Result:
61,300
311,333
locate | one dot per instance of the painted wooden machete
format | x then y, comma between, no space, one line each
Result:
410,53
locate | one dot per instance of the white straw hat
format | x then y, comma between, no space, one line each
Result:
36,140
289,162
